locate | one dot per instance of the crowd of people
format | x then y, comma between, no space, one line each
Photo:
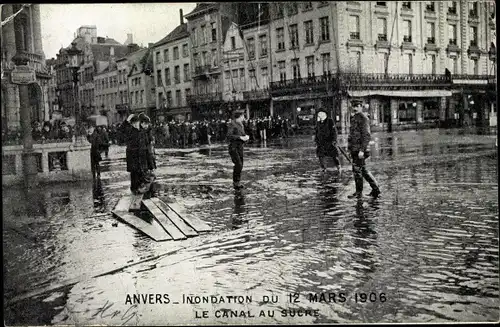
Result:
192,133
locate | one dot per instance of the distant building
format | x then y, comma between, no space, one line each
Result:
97,53
141,87
172,73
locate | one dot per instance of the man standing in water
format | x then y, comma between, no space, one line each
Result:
326,140
358,140
236,136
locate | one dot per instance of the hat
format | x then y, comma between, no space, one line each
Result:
356,103
237,113
133,119
144,119
130,117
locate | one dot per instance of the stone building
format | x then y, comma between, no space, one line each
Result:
140,79
97,53
390,55
172,73
22,36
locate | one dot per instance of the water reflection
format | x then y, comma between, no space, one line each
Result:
364,237
98,194
239,211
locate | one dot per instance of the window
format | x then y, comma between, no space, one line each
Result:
354,27
279,11
141,98
295,68
294,36
178,98
282,70
382,29
169,99
187,76
454,60
204,59
473,13
452,34
310,66
325,59
382,3
176,53
196,60
214,34
325,28
432,58
263,45
431,33
292,8
233,43
410,63
264,74
136,95
251,47
308,26
407,5
158,57
307,6
355,61
407,112
177,74
185,51
167,76
160,99
166,56
242,78
430,110
452,7
473,36
187,93
429,6
193,37
474,66
407,31
280,38
227,74
203,31
215,62
235,73
158,78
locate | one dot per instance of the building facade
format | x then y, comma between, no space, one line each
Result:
96,54
172,74
22,36
141,87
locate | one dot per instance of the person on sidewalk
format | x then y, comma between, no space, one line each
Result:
236,137
95,141
358,141
326,140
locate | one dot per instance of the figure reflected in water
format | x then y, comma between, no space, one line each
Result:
364,236
98,193
239,211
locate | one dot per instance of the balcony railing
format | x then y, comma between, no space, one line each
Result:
384,80
453,42
204,98
354,36
382,37
431,40
473,43
305,82
202,70
256,94
407,38
382,3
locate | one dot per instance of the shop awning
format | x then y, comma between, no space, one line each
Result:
402,93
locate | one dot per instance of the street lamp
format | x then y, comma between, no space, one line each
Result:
74,63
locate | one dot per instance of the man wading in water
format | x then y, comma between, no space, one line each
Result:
237,137
358,140
326,140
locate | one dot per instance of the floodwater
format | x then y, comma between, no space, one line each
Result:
426,251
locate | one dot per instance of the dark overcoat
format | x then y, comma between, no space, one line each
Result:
359,133
325,137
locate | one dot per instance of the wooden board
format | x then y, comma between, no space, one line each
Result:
123,204
135,202
153,229
164,221
195,222
175,218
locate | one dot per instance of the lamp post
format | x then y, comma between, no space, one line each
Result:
74,63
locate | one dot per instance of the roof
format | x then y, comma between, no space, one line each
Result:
179,32
201,7
101,51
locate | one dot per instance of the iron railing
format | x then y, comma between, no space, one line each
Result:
202,70
204,98
256,94
354,35
381,78
305,82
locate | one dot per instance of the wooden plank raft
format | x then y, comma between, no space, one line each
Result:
152,229
175,218
164,221
196,223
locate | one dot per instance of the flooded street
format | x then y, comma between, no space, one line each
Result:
425,251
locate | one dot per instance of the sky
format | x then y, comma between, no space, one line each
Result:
148,22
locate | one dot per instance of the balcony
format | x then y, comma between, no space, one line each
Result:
431,44
382,37
473,51
201,71
384,81
256,94
302,85
407,38
478,81
452,10
354,36
204,98
473,14
431,40
452,42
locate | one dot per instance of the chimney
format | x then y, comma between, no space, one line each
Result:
182,16
130,39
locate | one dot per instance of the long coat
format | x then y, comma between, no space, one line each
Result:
359,133
136,151
326,135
